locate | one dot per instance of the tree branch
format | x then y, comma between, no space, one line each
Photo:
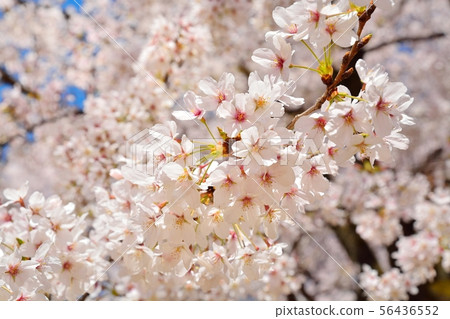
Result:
406,39
344,72
43,122
83,297
9,79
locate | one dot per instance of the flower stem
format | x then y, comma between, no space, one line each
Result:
238,234
206,171
6,288
207,127
336,14
303,67
236,226
352,97
8,246
311,50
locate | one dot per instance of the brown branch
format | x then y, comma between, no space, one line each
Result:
83,297
7,78
344,71
407,39
357,249
37,5
31,128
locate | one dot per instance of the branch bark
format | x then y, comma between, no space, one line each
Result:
407,39
9,79
83,297
344,71
43,122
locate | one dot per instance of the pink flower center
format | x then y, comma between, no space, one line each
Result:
314,16
293,28
179,222
247,259
279,62
266,178
270,214
362,147
217,257
55,227
247,202
332,151
217,217
331,28
313,171
260,102
221,97
228,182
240,116
22,298
349,118
292,192
13,270
320,123
382,106
197,112
67,265
7,218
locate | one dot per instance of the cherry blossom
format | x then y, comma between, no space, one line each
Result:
249,192
277,61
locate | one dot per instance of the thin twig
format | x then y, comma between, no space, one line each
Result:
83,297
9,79
406,39
41,123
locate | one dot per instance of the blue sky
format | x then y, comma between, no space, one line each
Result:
72,96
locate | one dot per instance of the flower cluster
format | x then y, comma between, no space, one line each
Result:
382,206
215,202
321,22
226,200
44,252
